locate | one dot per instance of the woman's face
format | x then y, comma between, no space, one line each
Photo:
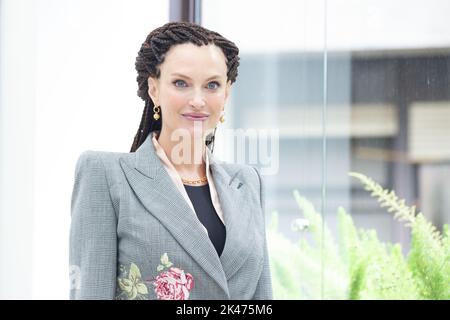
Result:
193,83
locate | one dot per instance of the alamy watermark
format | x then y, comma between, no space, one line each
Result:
257,147
74,277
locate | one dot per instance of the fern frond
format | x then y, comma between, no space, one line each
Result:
388,199
348,236
401,211
323,254
427,256
320,231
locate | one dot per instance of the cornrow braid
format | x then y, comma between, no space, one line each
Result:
151,55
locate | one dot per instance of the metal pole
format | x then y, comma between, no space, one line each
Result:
185,10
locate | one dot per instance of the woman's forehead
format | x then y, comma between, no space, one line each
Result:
189,59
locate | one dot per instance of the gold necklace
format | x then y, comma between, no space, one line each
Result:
194,181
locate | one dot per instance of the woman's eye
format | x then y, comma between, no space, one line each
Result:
212,85
178,81
214,82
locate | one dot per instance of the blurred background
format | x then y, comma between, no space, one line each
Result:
349,85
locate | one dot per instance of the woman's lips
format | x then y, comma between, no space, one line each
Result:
195,117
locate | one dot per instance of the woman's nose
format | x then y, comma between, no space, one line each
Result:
198,99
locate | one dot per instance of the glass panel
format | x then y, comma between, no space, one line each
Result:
386,108
279,92
388,90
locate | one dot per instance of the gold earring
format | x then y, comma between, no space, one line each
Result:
222,118
156,112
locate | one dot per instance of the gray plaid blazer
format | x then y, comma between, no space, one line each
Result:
132,233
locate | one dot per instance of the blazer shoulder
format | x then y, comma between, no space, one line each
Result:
87,160
91,161
91,157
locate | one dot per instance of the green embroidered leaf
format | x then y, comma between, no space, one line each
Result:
135,274
132,287
132,295
142,288
125,285
160,268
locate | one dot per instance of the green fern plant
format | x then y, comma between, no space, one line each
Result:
358,265
429,257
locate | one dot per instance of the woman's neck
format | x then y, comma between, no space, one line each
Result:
187,154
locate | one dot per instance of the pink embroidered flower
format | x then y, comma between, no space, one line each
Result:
173,284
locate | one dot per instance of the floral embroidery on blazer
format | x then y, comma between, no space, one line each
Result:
130,286
172,283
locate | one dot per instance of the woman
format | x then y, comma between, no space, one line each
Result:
168,220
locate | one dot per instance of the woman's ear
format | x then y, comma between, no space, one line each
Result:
153,90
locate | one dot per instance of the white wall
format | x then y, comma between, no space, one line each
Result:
17,148
68,84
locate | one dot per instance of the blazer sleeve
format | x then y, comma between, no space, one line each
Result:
264,286
93,232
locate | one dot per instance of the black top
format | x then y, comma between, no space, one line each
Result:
201,200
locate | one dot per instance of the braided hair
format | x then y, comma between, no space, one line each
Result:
152,54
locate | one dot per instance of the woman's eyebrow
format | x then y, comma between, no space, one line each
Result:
184,76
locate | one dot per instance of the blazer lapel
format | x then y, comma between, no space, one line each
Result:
158,194
238,216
